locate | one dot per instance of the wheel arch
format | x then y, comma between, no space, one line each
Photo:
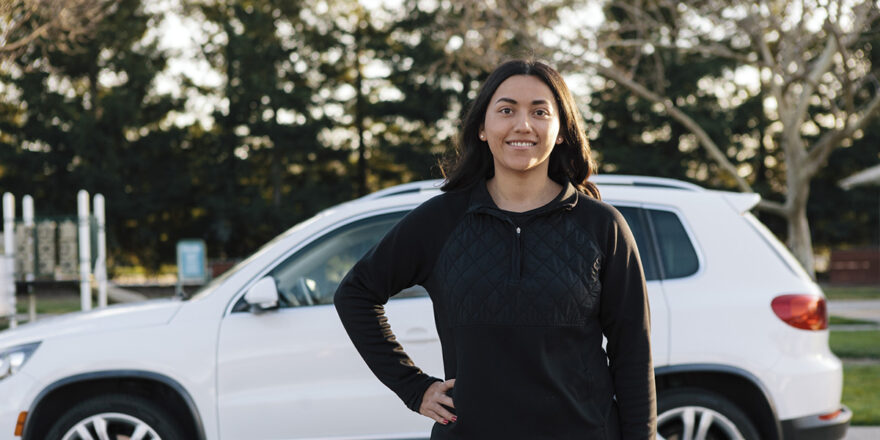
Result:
738,385
157,387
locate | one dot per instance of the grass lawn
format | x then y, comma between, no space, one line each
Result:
858,344
861,393
46,305
839,320
851,292
50,304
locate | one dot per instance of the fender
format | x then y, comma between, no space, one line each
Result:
121,374
726,369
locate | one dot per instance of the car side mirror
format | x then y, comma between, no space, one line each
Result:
263,295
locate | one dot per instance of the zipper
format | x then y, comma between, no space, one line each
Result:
516,258
517,255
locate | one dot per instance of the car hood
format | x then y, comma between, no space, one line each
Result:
116,317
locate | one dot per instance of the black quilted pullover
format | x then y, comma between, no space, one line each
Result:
521,302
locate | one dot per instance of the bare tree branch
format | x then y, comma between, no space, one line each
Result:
676,113
815,76
772,207
829,141
60,23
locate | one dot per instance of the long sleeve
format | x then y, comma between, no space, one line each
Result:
625,318
403,258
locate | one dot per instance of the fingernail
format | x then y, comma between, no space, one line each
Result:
454,418
445,422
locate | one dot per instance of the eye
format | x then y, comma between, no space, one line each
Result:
505,110
541,112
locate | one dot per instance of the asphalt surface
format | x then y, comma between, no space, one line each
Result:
866,310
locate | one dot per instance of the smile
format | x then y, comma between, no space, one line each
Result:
521,144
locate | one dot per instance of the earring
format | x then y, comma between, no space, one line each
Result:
558,140
482,137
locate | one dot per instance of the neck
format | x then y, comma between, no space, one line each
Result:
522,192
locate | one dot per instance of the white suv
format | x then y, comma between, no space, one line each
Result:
739,336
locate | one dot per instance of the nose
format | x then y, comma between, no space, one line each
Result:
522,124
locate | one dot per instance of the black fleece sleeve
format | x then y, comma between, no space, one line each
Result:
625,319
403,258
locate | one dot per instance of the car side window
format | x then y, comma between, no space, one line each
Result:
643,240
311,276
677,253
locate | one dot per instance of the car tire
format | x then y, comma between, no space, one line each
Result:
116,416
701,415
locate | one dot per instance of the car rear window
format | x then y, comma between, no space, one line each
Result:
677,253
639,230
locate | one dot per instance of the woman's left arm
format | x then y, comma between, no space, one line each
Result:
626,323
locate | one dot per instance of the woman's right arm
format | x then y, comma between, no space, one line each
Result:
400,260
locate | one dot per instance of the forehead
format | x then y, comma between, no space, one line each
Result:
523,89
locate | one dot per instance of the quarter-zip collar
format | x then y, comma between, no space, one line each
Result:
481,200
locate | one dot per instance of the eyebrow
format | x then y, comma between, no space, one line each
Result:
513,101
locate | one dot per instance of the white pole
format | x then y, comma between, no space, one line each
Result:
101,261
85,248
9,252
27,213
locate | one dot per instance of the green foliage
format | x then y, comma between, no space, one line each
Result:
851,292
636,137
861,386
837,320
89,118
306,86
856,344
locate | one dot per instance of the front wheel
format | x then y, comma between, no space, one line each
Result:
694,414
116,417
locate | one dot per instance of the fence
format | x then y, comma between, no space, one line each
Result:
52,249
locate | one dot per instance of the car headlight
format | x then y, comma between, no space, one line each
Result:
13,358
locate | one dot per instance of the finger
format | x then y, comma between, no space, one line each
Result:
446,400
449,384
437,417
445,414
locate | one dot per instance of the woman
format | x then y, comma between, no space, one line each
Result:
527,270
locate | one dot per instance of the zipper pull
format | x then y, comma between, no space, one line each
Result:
517,231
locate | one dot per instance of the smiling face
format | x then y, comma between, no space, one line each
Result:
521,125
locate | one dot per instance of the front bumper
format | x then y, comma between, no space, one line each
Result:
815,428
13,400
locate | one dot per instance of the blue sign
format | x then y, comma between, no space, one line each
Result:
192,267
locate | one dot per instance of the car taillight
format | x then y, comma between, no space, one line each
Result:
806,312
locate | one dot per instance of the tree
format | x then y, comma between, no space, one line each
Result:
809,62
57,24
88,116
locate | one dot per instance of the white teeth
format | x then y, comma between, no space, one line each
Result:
521,144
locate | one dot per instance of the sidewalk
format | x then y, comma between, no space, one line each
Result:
864,309
863,433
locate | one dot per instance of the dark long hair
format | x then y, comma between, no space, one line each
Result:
570,161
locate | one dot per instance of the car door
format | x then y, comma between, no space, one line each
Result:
294,373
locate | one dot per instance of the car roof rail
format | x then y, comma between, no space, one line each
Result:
405,188
600,179
644,181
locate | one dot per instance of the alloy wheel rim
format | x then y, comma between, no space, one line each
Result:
696,423
111,426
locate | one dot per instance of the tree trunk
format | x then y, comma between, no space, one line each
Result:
799,240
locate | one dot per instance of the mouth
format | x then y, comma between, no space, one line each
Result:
521,144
